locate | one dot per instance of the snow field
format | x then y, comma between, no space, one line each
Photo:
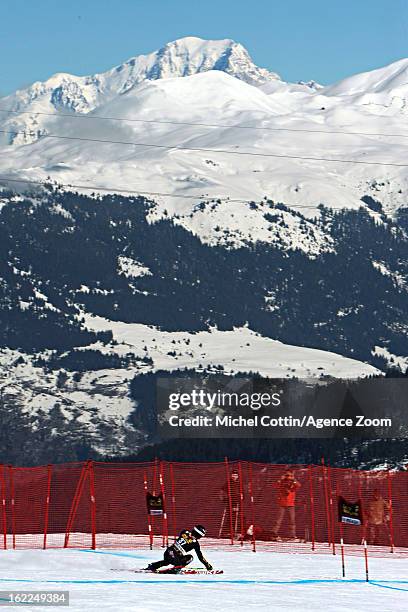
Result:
260,581
238,350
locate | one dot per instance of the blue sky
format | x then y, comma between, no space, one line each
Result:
323,40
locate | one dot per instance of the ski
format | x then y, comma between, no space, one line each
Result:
188,571
280,540
130,570
201,571
185,571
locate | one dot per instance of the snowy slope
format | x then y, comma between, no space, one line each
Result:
389,79
239,350
261,581
105,393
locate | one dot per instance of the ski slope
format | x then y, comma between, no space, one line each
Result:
261,581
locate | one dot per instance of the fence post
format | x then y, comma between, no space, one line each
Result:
326,503
165,540
343,564
331,510
13,515
156,462
149,518
363,505
173,501
251,493
155,474
93,501
390,507
312,512
229,499
366,559
74,505
47,505
241,503
361,476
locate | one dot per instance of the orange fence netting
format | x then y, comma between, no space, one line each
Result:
285,507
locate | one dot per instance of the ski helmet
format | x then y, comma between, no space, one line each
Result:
198,531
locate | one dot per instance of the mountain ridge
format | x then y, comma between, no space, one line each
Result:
179,58
285,135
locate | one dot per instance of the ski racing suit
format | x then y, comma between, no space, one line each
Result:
176,554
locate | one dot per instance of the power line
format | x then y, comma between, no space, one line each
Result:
198,124
137,192
205,150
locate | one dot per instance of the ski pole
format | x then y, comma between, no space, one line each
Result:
236,522
149,518
222,522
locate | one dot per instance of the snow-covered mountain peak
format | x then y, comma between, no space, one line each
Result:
65,92
179,58
311,85
192,55
207,123
380,81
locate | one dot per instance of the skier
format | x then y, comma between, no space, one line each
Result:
176,554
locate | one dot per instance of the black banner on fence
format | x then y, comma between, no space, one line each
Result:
350,513
155,504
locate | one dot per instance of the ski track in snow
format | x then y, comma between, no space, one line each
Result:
261,581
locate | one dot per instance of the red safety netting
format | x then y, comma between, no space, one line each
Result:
120,493
281,507
26,506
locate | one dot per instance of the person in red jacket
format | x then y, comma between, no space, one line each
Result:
287,487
